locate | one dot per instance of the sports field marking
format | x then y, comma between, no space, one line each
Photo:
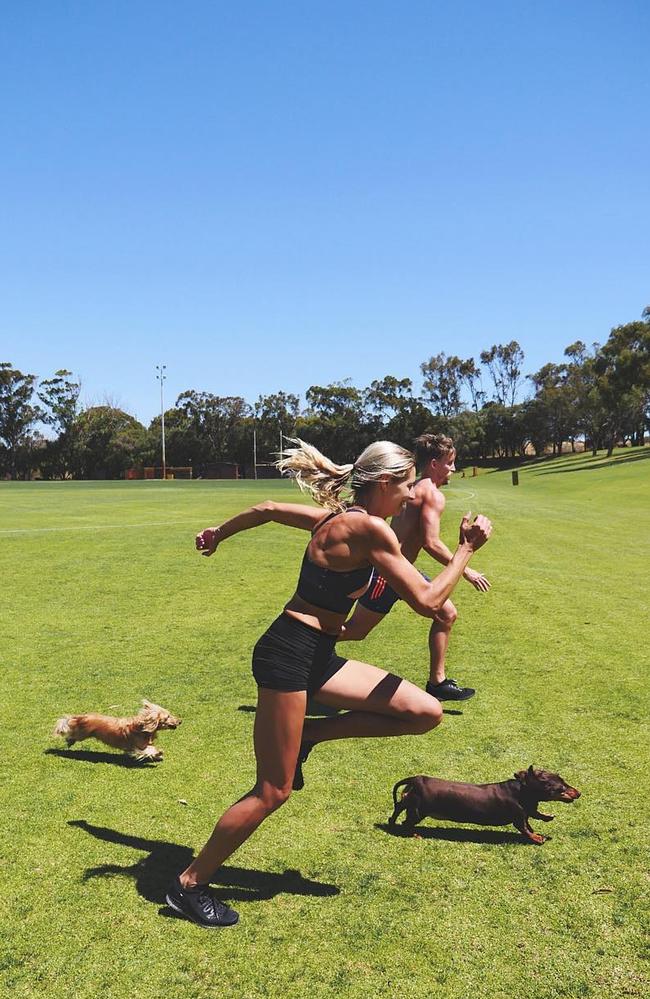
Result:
93,527
462,492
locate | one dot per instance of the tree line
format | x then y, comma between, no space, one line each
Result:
599,395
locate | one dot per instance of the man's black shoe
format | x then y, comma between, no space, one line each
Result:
298,779
448,690
200,905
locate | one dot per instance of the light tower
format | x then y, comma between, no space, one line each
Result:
161,376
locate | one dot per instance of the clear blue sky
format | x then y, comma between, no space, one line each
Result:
268,195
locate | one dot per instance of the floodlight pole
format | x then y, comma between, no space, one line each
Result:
161,376
254,452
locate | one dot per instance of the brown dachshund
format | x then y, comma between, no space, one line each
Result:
134,735
513,801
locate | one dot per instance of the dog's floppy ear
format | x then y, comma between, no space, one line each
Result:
148,723
520,775
148,717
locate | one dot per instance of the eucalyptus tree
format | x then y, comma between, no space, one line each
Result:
623,365
584,388
108,441
220,424
537,422
466,429
504,362
18,417
470,377
411,420
183,446
60,398
443,383
503,430
554,395
275,418
388,395
611,385
336,421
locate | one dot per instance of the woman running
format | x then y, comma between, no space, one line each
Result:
296,655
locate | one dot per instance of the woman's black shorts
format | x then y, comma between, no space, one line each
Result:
292,655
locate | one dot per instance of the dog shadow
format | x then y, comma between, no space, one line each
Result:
451,835
153,873
91,756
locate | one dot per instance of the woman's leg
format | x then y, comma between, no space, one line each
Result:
277,733
379,703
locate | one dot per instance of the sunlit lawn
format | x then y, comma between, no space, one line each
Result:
105,601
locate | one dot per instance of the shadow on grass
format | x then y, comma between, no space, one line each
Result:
89,756
570,462
597,463
152,874
452,835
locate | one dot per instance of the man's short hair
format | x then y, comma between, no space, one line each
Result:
431,447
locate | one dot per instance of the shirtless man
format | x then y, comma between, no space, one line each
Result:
418,527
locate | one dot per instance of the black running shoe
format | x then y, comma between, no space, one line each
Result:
200,906
298,779
449,690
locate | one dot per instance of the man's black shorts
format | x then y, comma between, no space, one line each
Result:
380,597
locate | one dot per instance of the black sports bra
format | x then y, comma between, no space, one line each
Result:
329,588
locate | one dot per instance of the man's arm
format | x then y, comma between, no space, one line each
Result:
268,511
426,598
431,510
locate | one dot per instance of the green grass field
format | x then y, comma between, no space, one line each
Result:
105,601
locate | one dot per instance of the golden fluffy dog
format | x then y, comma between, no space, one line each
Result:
134,735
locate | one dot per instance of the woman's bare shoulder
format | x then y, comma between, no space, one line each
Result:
372,529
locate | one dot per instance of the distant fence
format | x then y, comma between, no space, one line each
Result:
218,470
156,472
213,470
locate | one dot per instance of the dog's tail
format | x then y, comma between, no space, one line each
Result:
62,727
400,783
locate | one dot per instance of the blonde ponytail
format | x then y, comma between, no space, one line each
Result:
328,483
315,473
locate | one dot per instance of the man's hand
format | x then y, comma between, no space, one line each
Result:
476,533
478,581
207,541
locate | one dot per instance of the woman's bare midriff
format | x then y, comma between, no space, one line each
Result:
329,622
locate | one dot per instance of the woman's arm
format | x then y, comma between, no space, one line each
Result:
426,598
290,514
